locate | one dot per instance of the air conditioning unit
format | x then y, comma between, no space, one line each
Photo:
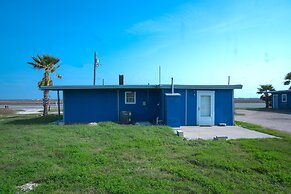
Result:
125,117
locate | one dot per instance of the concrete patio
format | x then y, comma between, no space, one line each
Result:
231,132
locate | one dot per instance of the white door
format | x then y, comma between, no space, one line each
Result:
275,101
205,107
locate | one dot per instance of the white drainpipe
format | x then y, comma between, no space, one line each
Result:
172,84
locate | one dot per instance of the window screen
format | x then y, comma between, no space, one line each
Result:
130,97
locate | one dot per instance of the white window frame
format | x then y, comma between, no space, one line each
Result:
284,98
134,97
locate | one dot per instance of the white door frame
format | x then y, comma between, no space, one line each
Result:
275,100
212,95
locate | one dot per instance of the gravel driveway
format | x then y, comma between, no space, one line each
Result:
274,120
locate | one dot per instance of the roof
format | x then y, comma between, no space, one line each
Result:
98,87
281,91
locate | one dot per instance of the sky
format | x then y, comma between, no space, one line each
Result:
194,41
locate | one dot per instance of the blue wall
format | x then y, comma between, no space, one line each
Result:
192,107
284,105
149,112
223,106
173,110
181,108
90,105
81,106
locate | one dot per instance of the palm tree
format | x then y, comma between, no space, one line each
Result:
49,65
288,79
265,90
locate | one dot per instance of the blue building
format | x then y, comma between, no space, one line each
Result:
281,99
171,105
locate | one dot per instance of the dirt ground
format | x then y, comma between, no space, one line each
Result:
275,120
6,111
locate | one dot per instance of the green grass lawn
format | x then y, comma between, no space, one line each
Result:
111,158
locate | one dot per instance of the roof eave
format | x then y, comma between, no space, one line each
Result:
194,87
280,91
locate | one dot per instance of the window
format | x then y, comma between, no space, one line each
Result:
284,97
130,97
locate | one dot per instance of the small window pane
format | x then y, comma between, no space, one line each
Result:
130,95
130,99
284,97
205,106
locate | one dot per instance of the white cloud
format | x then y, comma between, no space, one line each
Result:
193,19
168,23
199,46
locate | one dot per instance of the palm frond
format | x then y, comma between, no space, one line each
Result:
288,76
48,64
58,76
265,88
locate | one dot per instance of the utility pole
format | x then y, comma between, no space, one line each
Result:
96,65
160,75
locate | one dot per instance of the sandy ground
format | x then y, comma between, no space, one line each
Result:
30,111
274,120
34,111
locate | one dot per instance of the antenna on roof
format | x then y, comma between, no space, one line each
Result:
96,65
160,75
228,82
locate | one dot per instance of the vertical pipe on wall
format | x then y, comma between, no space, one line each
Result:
117,91
59,111
233,110
172,85
64,111
162,104
186,106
